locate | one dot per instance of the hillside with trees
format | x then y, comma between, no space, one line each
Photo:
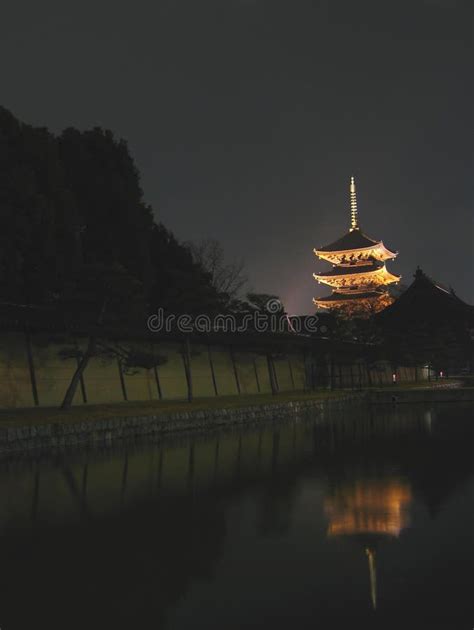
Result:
71,206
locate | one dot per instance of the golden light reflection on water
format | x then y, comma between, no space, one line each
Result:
375,506
369,509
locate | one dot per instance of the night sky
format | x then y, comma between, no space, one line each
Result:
247,118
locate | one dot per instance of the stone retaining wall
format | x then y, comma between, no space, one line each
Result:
60,435
36,369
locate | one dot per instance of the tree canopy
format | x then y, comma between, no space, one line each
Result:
73,202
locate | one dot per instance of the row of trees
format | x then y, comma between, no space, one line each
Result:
71,206
78,238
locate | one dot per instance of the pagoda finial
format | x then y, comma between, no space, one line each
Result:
354,217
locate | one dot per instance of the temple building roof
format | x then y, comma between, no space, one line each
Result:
426,300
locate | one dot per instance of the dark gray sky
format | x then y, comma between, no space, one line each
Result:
247,117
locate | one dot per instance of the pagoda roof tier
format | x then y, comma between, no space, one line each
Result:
336,296
351,270
355,244
354,239
358,274
347,297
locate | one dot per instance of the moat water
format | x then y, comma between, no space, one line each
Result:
360,519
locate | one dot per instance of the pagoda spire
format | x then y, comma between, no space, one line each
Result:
354,216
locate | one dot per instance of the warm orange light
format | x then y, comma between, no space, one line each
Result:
369,507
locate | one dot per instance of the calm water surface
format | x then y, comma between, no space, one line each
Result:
357,520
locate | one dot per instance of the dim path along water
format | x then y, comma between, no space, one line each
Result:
358,519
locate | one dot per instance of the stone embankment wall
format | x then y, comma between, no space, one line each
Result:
60,435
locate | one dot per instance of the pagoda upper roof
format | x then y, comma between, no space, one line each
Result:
354,244
353,240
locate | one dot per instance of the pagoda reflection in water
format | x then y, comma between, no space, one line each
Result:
369,511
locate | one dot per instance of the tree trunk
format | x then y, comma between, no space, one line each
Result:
369,375
76,379
255,369
272,375
291,373
187,368
213,374
31,366
84,362
234,367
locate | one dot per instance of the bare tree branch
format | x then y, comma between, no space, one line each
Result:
226,278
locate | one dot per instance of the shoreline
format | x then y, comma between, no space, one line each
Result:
53,435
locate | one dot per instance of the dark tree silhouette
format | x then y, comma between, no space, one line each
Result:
76,200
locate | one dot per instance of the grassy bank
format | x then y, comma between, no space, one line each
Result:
91,413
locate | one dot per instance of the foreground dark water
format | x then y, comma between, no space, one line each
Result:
357,520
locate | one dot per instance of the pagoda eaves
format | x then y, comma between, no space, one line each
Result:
375,250
338,297
357,275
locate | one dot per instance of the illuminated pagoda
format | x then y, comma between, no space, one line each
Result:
359,277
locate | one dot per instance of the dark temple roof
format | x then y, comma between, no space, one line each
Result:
354,239
426,300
